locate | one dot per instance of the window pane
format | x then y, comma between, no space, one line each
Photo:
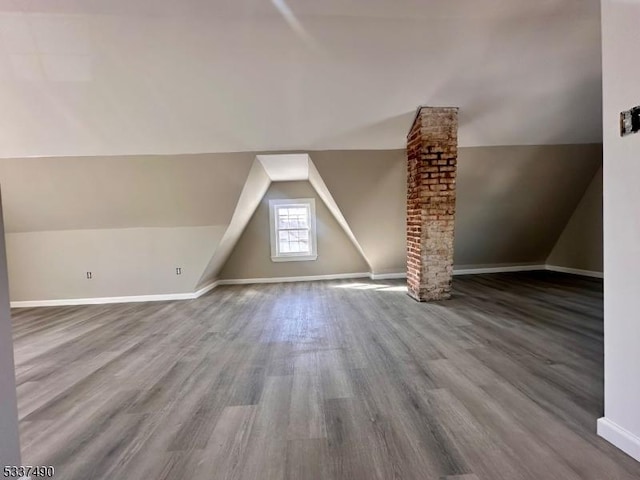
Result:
283,219
293,241
292,218
293,229
284,247
294,247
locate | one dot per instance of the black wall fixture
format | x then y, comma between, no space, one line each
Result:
630,121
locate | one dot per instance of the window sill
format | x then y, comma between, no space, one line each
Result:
295,258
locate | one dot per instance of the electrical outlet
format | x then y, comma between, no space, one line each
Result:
89,275
178,271
630,121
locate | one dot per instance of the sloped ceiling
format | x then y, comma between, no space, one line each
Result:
514,202
45,194
125,77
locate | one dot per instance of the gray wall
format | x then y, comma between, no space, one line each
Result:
580,244
132,220
9,436
370,189
252,256
513,202
127,261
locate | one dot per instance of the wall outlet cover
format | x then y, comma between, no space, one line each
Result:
630,121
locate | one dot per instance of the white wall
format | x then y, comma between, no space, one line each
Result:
621,87
9,437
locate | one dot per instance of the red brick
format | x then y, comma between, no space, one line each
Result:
431,178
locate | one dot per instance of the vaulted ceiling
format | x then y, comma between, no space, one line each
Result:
113,77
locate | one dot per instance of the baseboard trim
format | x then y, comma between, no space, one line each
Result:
309,278
497,269
619,437
387,276
526,268
575,271
206,289
66,302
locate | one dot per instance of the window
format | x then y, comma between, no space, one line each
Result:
293,230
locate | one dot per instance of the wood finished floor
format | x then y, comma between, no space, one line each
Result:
324,380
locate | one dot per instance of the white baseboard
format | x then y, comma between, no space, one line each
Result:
387,276
470,270
310,278
64,302
314,278
575,271
619,437
525,268
206,289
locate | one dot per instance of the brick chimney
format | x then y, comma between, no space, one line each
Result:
432,154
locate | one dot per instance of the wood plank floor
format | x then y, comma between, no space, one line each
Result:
325,380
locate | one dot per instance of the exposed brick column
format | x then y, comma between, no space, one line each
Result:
432,154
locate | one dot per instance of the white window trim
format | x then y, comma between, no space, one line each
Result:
276,256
